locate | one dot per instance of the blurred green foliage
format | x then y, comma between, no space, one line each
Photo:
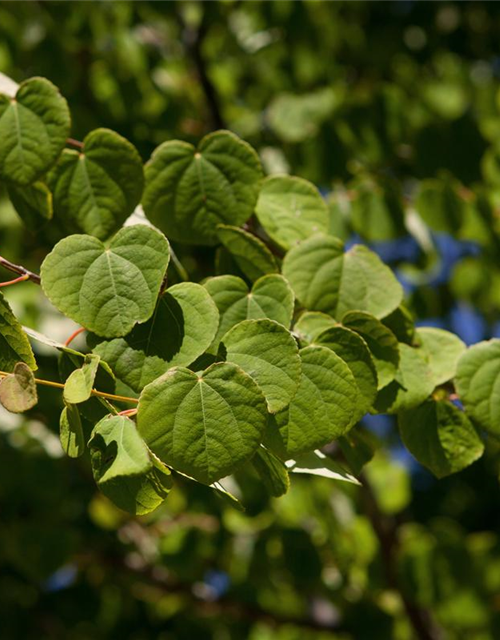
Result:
393,110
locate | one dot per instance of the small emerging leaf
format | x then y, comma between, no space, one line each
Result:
71,432
78,387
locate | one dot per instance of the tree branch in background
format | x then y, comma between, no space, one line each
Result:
193,39
386,529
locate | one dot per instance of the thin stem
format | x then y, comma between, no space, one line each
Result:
128,412
16,268
74,143
179,267
73,336
20,279
94,392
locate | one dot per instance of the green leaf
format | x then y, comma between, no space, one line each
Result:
439,205
181,329
442,350
268,352
34,127
353,350
323,407
316,463
190,191
440,436
377,210
140,494
33,203
94,408
272,472
311,324
270,297
295,118
227,497
14,345
97,188
117,450
324,278
380,340
18,390
107,289
71,432
291,209
78,387
413,384
478,384
203,425
401,323
250,254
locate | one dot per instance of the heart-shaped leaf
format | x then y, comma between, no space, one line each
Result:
78,387
203,425
14,345
291,209
478,384
181,329
268,352
441,437
324,278
190,191
97,188
34,126
270,297
250,254
18,390
323,407
107,289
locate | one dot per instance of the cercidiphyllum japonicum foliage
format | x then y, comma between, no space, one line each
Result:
263,365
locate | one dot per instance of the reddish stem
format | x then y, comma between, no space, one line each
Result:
73,336
128,412
74,143
20,279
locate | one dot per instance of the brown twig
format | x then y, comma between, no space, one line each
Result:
22,271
